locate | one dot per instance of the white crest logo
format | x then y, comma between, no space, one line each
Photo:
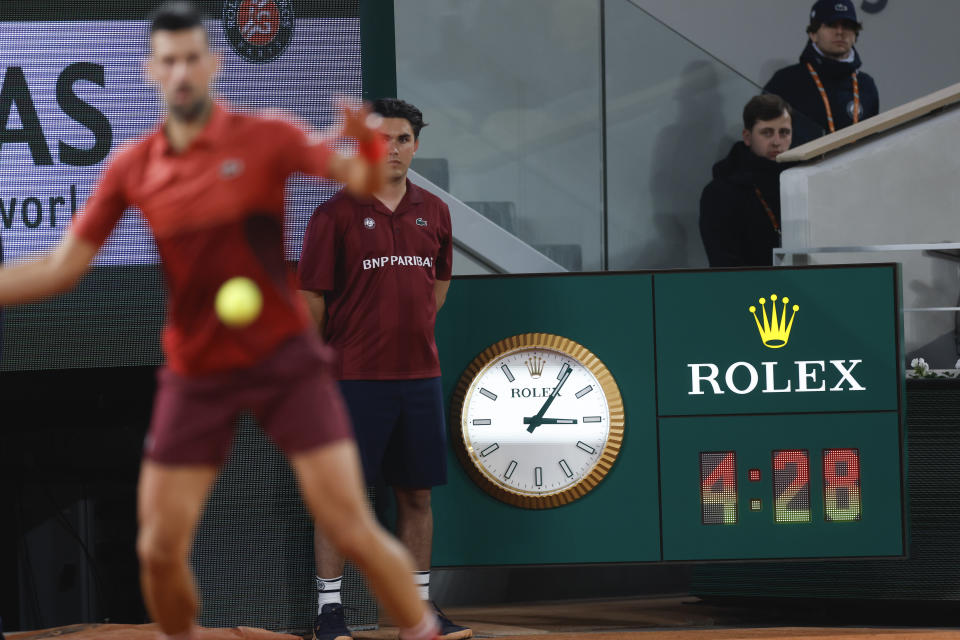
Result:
840,7
231,168
369,223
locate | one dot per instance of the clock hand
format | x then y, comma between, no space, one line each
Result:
550,420
537,420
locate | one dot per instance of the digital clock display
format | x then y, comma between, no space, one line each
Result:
841,484
791,486
755,499
718,487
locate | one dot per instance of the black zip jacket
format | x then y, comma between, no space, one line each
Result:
795,85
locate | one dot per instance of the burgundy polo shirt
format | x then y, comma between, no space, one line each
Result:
216,210
377,270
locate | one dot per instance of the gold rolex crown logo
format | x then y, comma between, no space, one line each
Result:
775,331
535,366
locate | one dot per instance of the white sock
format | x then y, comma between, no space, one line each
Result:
422,580
328,591
427,629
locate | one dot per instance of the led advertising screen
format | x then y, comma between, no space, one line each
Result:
73,91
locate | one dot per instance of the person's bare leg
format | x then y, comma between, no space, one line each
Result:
332,486
329,561
415,531
169,504
415,524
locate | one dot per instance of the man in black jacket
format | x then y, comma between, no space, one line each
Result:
826,89
740,208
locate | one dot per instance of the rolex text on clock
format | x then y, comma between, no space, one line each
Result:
538,420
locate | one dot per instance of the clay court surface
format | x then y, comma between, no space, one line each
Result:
681,618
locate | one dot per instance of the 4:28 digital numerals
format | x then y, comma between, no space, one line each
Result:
791,486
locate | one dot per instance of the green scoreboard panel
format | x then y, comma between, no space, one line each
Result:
763,417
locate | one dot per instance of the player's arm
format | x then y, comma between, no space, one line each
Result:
361,173
59,270
49,275
444,259
317,265
440,288
358,175
318,308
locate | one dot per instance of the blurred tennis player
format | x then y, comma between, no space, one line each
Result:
210,183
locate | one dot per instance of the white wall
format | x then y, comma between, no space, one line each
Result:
894,188
897,188
910,47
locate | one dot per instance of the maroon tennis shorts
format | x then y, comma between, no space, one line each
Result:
291,393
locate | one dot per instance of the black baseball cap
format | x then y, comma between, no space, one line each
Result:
830,11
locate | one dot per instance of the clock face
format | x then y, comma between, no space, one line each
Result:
541,420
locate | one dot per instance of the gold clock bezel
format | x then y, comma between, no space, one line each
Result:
585,357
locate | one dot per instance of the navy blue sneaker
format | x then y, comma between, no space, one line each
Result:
449,630
330,624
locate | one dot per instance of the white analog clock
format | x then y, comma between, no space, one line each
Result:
538,420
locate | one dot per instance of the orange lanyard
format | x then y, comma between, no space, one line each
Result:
766,207
826,101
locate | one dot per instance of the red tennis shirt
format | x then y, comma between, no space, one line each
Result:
216,210
377,271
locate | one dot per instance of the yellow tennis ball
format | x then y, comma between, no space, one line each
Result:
238,302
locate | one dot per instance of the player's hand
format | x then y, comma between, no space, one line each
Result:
359,123
359,176
365,172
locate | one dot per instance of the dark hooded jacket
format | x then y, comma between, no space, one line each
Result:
736,230
795,85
